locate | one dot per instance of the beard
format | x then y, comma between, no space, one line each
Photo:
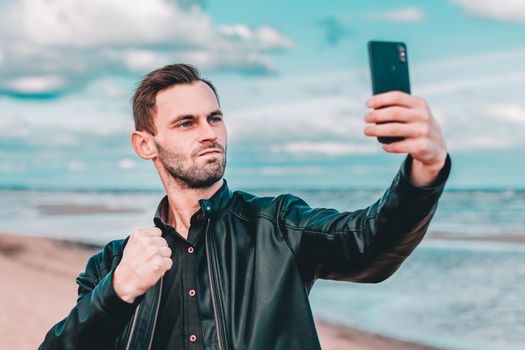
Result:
199,174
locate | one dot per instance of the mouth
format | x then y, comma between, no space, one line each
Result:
209,152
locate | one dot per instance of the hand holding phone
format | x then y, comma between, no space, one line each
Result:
389,71
403,122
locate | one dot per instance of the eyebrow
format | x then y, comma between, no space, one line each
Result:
192,117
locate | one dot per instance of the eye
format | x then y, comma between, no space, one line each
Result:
184,125
215,119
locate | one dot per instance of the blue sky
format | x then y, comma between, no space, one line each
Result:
293,80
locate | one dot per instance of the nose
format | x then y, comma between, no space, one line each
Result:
207,133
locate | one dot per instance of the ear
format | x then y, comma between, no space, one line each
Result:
142,143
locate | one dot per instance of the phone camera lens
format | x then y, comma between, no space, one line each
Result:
402,54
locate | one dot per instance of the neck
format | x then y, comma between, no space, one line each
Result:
184,202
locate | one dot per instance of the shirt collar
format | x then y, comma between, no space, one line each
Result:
208,207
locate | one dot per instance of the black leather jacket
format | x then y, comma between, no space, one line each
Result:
263,255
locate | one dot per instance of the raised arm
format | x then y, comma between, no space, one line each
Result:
368,245
365,245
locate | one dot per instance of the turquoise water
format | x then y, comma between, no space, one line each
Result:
468,296
460,213
456,294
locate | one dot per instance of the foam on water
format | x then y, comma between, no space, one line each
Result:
445,295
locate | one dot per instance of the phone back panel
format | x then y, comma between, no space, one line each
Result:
389,70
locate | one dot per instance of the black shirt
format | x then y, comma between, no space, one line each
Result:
178,324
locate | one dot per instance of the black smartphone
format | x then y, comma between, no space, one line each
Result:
388,62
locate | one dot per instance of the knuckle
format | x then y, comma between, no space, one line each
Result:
422,130
397,96
426,129
388,130
158,264
150,250
397,113
381,115
169,263
389,147
420,148
138,233
425,116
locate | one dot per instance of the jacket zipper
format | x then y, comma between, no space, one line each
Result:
130,337
215,313
132,327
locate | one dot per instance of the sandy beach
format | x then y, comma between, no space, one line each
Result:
38,289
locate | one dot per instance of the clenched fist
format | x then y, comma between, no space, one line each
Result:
145,260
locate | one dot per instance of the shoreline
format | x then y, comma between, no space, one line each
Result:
501,237
42,290
431,235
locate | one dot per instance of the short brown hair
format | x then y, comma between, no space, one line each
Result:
144,106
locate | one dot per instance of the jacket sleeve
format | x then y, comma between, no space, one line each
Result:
99,315
366,245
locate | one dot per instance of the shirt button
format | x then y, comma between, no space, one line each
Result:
191,292
191,250
193,338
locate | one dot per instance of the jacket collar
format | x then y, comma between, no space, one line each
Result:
208,207
216,203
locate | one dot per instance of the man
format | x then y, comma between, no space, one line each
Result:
228,270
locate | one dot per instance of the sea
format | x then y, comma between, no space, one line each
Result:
463,292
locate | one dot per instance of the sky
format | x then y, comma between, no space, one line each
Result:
293,81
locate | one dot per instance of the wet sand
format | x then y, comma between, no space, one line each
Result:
38,289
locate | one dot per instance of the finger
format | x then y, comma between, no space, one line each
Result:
152,232
394,98
390,114
168,263
411,146
157,241
165,252
409,130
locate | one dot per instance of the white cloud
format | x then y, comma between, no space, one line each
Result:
270,38
5,168
75,165
113,90
308,148
505,112
138,60
477,101
76,41
407,14
266,36
126,164
500,10
479,142
57,139
35,84
11,127
471,82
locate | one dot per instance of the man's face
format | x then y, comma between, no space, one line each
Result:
189,123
